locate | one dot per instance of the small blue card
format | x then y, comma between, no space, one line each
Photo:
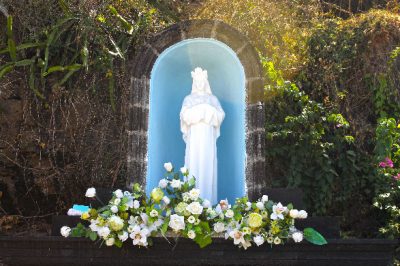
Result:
81,208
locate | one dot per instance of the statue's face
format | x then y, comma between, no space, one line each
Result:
199,83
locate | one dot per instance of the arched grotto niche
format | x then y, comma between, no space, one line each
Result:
160,80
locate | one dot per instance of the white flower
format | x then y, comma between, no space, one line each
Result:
139,236
124,236
264,198
229,213
168,166
158,223
94,225
176,183
195,208
270,240
219,227
177,222
302,214
114,209
194,194
294,213
153,213
206,203
127,194
110,241
65,231
191,219
117,201
297,237
224,205
166,200
191,234
277,241
259,240
163,183
184,170
118,193
90,192
104,232
248,206
185,197
277,211
136,204
237,237
260,205
115,223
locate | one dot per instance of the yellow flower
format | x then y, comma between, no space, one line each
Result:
275,228
255,220
246,230
157,194
85,216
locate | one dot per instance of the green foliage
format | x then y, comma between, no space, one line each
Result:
81,41
387,153
308,145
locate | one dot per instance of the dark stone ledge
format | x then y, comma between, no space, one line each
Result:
76,251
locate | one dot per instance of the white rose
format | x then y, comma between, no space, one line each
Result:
264,198
302,214
297,237
136,204
185,197
104,232
294,213
117,201
194,208
259,240
194,194
260,205
219,227
177,222
191,234
114,209
176,183
154,213
184,170
124,236
206,203
191,219
163,183
229,213
168,166
115,223
90,192
166,200
110,241
65,231
118,193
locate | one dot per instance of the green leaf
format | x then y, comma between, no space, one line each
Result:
5,69
128,26
204,239
118,243
12,49
25,62
312,236
9,27
93,236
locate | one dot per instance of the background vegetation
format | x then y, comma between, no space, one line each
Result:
64,79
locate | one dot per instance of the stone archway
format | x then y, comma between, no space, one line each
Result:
143,63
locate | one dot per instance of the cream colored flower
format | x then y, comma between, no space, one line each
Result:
297,237
195,208
219,227
191,234
194,194
168,166
115,223
191,219
65,231
90,192
177,222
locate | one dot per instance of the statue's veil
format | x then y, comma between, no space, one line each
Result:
199,73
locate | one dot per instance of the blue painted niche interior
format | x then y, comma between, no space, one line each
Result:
170,82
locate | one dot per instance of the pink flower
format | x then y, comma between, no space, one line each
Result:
397,177
386,163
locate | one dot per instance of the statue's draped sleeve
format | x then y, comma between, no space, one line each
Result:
201,109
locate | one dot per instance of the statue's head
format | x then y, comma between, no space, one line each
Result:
200,81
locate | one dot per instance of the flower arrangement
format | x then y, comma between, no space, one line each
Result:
175,206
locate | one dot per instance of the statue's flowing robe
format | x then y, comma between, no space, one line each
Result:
201,117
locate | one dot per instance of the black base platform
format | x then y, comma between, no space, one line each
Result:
77,251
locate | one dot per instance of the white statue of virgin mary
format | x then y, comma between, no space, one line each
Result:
201,117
